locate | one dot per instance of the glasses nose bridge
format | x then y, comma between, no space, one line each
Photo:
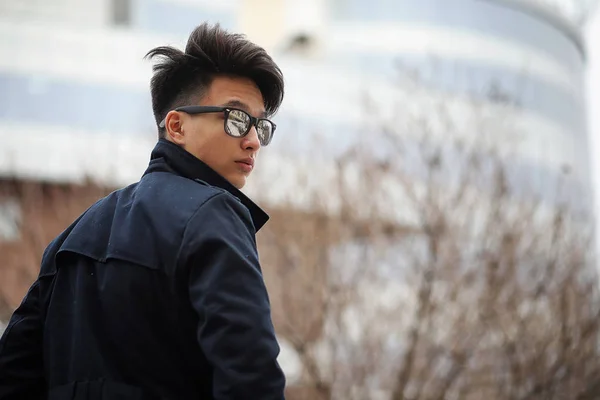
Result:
253,123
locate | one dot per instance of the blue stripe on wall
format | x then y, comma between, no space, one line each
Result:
466,77
483,17
91,107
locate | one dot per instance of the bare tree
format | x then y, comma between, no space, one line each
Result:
431,271
38,211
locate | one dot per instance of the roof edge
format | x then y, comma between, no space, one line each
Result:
553,18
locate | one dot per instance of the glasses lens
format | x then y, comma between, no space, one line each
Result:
265,132
237,123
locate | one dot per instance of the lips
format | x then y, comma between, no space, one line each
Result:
249,161
246,164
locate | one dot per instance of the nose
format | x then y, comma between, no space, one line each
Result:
251,141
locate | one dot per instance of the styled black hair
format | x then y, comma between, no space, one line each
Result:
182,78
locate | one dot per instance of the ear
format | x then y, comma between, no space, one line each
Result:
174,127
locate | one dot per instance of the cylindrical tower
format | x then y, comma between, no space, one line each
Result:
529,52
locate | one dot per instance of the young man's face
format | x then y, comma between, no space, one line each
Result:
203,135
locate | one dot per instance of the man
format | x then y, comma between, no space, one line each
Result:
156,291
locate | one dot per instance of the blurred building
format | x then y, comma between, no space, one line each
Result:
75,104
74,83
592,34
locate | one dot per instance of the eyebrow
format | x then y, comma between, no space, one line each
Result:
243,106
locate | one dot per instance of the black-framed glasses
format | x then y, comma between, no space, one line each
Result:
237,122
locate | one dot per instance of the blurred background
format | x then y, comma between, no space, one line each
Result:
431,182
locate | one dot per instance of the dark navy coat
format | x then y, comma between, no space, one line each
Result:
155,292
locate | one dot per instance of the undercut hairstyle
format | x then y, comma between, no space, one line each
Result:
183,78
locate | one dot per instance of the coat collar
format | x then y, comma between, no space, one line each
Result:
180,162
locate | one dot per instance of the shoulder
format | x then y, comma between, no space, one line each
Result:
211,202
175,192
221,208
221,222
199,203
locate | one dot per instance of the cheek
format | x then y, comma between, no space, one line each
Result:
203,133
216,148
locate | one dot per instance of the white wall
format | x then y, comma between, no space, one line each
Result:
95,13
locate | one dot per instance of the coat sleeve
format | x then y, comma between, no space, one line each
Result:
21,362
227,290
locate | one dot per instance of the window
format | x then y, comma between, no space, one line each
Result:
10,220
121,12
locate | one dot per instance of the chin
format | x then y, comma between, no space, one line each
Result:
238,182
